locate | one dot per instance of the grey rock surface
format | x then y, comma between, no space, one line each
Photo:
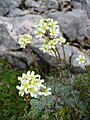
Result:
71,53
88,8
17,12
19,21
52,4
16,3
10,29
88,28
14,58
9,50
85,5
6,41
31,3
6,5
76,5
73,24
20,25
82,1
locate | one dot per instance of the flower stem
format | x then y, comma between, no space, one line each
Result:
46,107
60,64
35,63
28,105
56,56
64,56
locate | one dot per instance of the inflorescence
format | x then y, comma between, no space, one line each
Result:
32,84
48,31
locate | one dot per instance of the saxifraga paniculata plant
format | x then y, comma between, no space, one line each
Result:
48,32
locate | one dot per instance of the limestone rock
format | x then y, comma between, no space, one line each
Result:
88,8
85,5
16,3
73,24
76,5
65,5
88,28
17,12
9,50
6,5
71,53
31,3
10,29
40,9
82,1
20,25
6,41
13,60
52,4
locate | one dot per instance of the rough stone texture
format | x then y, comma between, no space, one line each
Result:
88,31
88,28
76,5
82,1
41,9
88,8
73,24
71,52
10,29
17,12
45,56
6,5
6,41
20,25
31,3
9,50
16,3
65,5
85,5
20,21
14,58
65,0
52,4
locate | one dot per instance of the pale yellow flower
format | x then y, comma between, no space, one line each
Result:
32,84
24,40
81,59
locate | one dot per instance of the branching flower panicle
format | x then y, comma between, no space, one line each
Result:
32,84
48,31
24,40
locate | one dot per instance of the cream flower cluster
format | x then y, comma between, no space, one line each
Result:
48,31
24,40
81,59
32,84
46,26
